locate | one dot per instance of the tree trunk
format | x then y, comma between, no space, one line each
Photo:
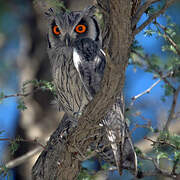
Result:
59,160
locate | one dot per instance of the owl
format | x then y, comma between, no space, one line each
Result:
78,64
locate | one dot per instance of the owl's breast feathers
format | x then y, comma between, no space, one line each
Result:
89,61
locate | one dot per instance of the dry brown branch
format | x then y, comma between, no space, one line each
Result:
140,126
21,94
152,17
35,89
141,10
161,142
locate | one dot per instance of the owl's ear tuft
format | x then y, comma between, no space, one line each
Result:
89,11
50,12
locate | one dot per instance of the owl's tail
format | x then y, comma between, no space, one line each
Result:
124,154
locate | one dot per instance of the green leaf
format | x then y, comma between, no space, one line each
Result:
21,105
105,166
136,46
177,155
14,146
3,171
24,86
175,140
150,10
149,32
168,90
138,151
84,175
151,129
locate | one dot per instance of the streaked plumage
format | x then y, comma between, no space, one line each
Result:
78,65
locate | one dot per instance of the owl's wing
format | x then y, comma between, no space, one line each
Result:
90,71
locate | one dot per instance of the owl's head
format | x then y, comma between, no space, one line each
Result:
67,27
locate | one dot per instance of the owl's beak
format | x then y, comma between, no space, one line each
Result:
67,39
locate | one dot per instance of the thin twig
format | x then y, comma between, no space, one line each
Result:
140,126
155,15
168,37
172,110
36,88
141,10
162,142
134,98
146,146
17,95
172,43
21,94
163,77
35,141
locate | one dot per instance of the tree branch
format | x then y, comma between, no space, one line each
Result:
134,98
163,77
152,17
146,146
167,36
162,143
141,10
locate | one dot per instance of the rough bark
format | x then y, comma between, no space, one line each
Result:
65,164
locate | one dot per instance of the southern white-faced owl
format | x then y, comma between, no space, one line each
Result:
78,64
77,59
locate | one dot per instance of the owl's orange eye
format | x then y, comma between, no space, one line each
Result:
56,30
81,28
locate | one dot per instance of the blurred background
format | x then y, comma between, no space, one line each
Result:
23,57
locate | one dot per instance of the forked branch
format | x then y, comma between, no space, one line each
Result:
167,4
